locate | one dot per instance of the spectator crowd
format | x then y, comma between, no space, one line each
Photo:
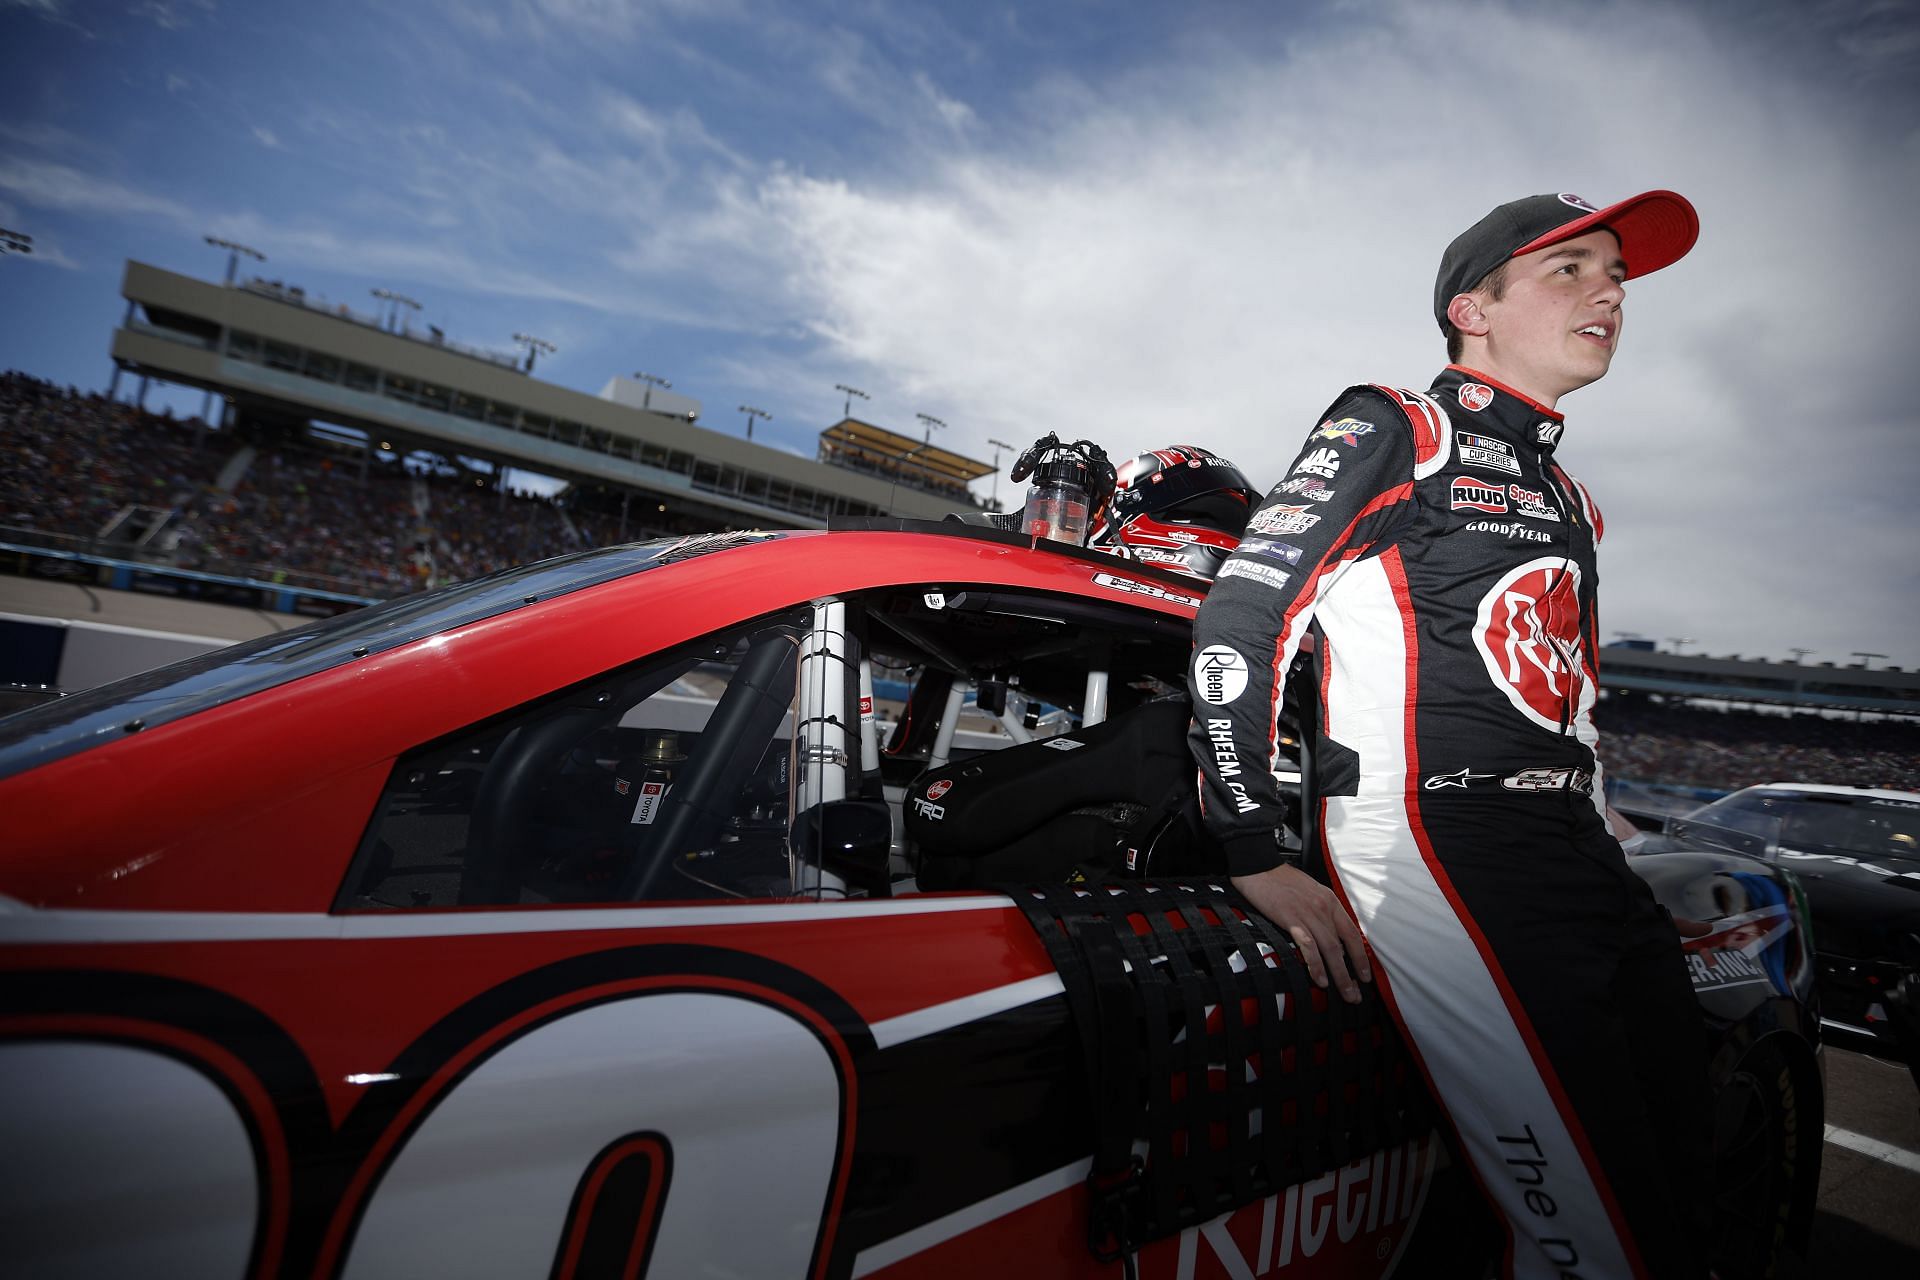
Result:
278,507
1685,744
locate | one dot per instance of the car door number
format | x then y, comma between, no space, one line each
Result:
126,1160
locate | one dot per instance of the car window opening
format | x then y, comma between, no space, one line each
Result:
844,749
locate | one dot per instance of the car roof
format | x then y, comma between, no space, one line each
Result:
55,730
1830,789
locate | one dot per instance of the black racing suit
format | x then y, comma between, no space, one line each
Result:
1445,563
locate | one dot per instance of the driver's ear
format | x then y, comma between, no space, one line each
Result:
1465,314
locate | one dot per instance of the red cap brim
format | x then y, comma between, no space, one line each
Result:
1655,228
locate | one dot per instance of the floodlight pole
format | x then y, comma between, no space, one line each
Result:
390,320
1799,653
1866,659
14,242
895,486
646,398
1677,641
851,393
931,422
753,413
533,345
993,499
402,300
233,254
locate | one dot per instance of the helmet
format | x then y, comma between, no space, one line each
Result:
1180,507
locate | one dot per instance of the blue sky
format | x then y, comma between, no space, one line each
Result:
1140,222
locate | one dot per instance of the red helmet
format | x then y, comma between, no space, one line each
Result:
1180,507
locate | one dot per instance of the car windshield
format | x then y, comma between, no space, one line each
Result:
41,734
1734,830
1811,822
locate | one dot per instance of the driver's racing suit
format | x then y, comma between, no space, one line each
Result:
1446,563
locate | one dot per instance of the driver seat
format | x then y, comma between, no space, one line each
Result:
1093,804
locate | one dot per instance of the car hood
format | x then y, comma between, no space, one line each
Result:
1862,907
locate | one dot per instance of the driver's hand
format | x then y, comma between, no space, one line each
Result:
1328,939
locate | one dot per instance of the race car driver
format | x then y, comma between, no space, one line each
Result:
1445,561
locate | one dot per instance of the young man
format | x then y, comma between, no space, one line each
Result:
1445,562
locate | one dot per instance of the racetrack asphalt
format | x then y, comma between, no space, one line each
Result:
1867,1224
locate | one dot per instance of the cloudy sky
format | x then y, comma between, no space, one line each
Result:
1144,222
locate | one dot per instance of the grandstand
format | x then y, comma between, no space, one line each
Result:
280,362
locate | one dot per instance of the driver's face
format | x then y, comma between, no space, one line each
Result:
1557,325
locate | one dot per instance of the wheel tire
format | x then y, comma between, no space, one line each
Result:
1767,1119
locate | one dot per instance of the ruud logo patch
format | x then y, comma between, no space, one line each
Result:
1473,495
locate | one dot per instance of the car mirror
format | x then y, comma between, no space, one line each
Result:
851,838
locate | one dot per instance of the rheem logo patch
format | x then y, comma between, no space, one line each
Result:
1219,674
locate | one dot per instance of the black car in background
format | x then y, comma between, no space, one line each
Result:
1856,854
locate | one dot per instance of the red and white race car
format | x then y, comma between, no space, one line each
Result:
633,914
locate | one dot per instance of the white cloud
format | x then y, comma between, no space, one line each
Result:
266,138
46,185
953,113
1212,251
170,15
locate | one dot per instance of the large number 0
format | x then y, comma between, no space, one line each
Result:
747,1098
118,1161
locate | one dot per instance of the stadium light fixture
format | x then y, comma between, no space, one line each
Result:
753,413
894,488
931,422
1677,641
534,345
391,321
998,445
1866,659
852,392
14,242
646,400
234,252
402,300
1799,653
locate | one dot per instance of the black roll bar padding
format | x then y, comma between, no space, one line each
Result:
730,748
921,720
1307,690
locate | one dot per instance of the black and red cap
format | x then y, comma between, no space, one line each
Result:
1655,229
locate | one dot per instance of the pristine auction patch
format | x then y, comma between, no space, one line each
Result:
1267,575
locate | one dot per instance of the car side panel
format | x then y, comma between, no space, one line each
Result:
799,1089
